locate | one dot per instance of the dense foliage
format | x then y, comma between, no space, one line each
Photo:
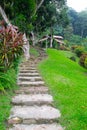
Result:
29,15
79,22
52,15
20,12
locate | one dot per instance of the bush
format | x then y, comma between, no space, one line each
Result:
73,47
79,50
83,60
72,58
62,47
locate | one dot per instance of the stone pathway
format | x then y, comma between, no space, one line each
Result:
33,105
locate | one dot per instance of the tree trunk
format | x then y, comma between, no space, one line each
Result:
51,42
38,6
46,45
26,47
33,38
41,2
82,32
4,16
51,37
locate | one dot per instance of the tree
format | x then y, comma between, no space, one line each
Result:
21,12
79,22
68,32
51,12
51,16
82,22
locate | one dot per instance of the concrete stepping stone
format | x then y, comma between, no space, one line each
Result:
28,71
27,65
35,78
34,114
30,83
32,90
27,68
37,127
36,99
30,62
28,74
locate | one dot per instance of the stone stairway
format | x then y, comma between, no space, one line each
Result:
33,105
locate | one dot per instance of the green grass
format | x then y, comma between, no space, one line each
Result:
7,85
69,54
8,79
67,82
5,107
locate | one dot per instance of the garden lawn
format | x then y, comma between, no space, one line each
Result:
70,54
67,82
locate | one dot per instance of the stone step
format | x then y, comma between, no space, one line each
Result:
27,68
28,83
33,114
28,74
28,65
35,78
28,71
37,127
30,62
32,90
32,99
24,64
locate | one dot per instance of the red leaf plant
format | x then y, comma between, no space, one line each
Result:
11,44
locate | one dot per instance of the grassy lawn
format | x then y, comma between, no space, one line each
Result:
67,82
69,54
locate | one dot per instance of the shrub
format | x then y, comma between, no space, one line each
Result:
62,47
79,51
72,58
10,45
73,47
83,60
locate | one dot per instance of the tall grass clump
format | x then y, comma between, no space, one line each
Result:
7,80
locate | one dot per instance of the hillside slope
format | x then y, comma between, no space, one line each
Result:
67,81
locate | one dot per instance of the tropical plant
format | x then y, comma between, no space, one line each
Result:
11,45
